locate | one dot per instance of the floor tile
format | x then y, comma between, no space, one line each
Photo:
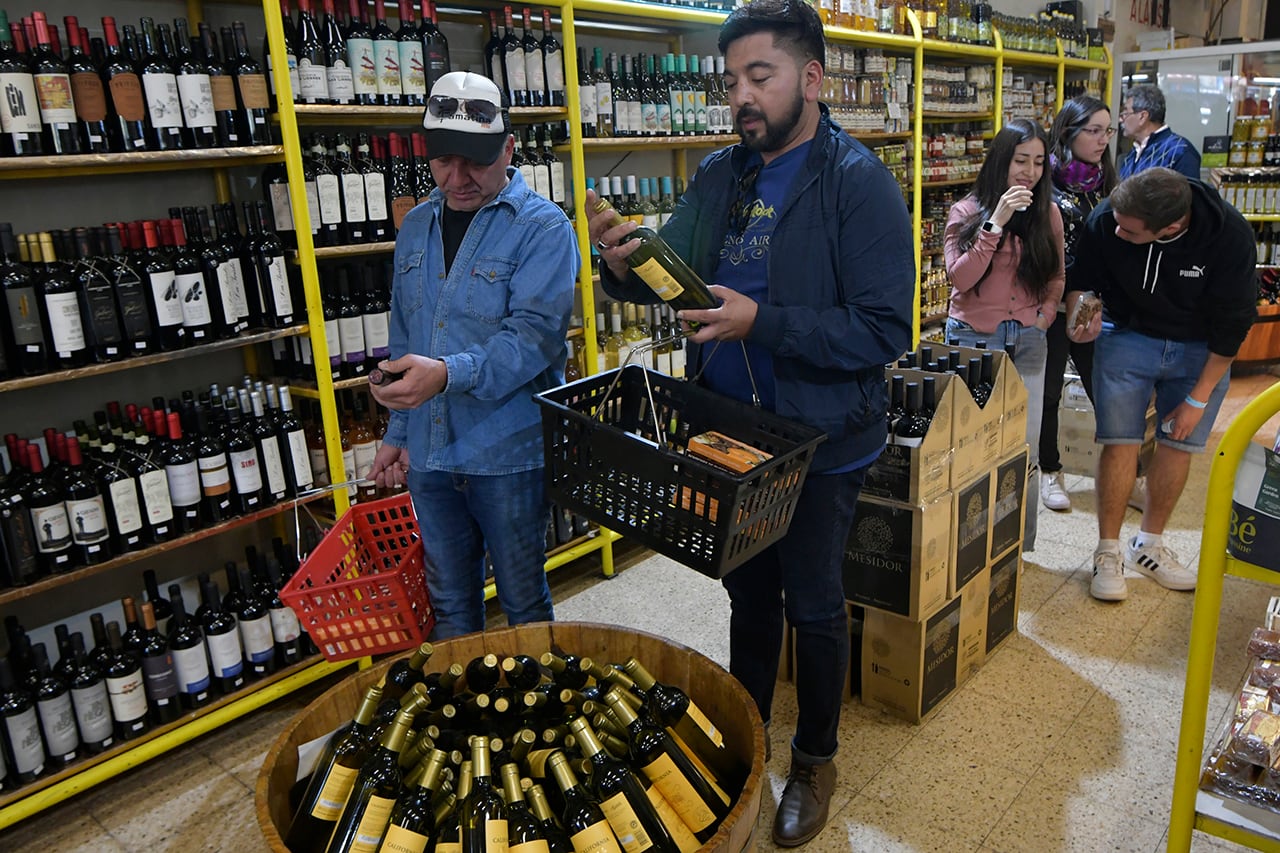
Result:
59,830
1048,817
1040,681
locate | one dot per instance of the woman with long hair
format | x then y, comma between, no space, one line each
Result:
1083,175
1003,247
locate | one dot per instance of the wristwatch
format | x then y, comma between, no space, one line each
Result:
991,228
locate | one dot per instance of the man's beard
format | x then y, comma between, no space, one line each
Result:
774,136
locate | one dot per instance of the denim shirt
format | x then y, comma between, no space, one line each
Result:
498,321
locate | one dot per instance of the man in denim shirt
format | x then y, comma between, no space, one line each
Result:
484,283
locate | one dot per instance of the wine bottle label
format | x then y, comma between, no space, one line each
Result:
24,736
677,363
377,335
53,91
635,117
387,55
351,338
272,465
495,836
160,678
604,101
194,301
449,846
128,697
313,205
312,84
677,791
225,653
191,668
681,834
516,76
677,111
165,296
58,721
281,212
686,725
155,496
597,838
215,479
24,315
364,66
373,823
195,93
557,182
223,91
400,207
124,506
649,117
17,538
401,840
253,91
542,181
554,65
333,342
587,103
700,110
363,455
88,519
284,624
90,99
256,637
534,75
53,529
163,103
127,97
20,106
413,73
235,305
626,824
64,323
664,117
538,845
659,280
353,204
244,468
375,194
330,195
334,792
301,460
278,280
93,712
349,469
184,483
132,298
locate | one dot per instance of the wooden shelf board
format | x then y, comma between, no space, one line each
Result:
892,41
79,165
931,116
156,358
45,584
974,52
624,142
312,393
352,251
931,319
872,136
955,182
398,116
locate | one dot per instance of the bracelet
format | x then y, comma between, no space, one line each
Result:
1192,401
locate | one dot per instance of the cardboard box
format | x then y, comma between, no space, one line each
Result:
1013,428
1004,582
977,430
787,662
1077,449
918,475
1008,513
909,667
971,509
897,556
973,625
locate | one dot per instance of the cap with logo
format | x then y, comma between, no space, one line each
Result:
464,118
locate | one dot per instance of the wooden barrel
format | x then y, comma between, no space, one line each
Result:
718,694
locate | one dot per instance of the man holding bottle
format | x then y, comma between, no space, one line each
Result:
808,236
480,302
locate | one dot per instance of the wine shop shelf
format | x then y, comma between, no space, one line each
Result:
310,391
45,584
930,116
616,143
954,182
1025,58
29,799
890,41
80,165
1085,64
878,136
399,116
934,319
158,358
976,52
667,14
352,251
1262,217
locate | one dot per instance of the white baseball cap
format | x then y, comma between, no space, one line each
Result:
464,118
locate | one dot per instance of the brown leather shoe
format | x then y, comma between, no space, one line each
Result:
802,813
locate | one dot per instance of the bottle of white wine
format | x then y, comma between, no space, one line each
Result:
661,268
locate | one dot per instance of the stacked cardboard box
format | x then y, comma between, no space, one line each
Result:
1076,425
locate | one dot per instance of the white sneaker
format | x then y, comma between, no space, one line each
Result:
1053,494
1160,564
1108,578
1138,497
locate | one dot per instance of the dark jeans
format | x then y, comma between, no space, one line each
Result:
804,569
1060,347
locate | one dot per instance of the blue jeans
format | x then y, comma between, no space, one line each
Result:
1030,352
462,515
801,573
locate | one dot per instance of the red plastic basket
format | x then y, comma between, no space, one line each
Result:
363,590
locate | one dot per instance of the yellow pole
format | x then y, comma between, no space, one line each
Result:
917,164
586,288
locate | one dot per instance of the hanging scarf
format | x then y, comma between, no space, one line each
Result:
1076,175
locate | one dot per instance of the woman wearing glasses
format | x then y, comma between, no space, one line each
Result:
1083,175
1003,246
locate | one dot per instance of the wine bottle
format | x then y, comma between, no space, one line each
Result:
412,820
166,302
87,92
270,462
86,512
268,255
61,304
160,85
361,59
130,293
534,71
666,274
20,108
195,91
159,675
128,114
386,52
911,429
435,46
190,657
516,84
125,688
338,74
153,486
21,726
252,97
351,185
423,183
54,708
583,819
224,277
293,446
215,472
90,698
132,637
449,828
407,672
291,57
222,86
565,670
18,553
44,499
182,475
326,209
95,294
494,56
403,196
413,91
254,622
120,494
313,84
226,654
557,840
243,458
25,315
286,632
53,90
482,814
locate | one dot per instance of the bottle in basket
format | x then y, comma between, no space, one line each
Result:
661,268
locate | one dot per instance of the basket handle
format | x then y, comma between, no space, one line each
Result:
299,508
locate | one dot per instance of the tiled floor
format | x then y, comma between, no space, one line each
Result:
1065,740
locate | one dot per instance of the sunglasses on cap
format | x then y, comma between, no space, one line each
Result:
443,107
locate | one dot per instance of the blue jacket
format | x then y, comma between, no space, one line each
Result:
498,320
841,283
1164,148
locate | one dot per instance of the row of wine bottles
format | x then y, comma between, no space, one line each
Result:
148,474
130,289
150,89
977,373
636,764
147,671
640,96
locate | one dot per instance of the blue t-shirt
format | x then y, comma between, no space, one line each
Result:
744,267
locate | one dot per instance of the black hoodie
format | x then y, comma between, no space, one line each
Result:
1200,286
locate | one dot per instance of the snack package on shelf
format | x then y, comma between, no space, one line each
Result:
1265,673
1264,643
1258,740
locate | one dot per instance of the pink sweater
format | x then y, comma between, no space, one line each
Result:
1002,296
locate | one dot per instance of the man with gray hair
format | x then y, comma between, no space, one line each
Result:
1154,144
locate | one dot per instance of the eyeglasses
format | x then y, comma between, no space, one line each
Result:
443,107
1095,132
740,211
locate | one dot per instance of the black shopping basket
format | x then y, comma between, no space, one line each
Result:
614,453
